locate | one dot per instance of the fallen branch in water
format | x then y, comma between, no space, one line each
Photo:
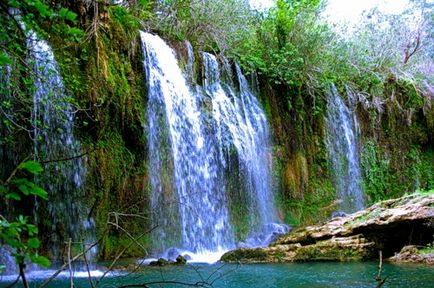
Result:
121,253
380,267
64,266
146,285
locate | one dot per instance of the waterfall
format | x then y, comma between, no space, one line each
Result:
188,204
192,132
342,134
240,123
53,121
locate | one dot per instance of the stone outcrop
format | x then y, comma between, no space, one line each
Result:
387,226
411,254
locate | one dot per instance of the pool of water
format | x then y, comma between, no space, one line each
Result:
259,275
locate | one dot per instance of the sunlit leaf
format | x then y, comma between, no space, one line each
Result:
67,14
38,191
40,260
4,59
31,166
33,243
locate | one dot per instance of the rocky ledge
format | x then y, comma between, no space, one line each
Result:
414,254
387,226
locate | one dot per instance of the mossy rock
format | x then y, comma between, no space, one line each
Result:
161,262
245,255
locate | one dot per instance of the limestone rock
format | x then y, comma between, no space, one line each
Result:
411,254
336,248
386,226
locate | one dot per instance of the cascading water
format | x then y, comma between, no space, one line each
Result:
188,204
53,121
342,133
241,123
188,154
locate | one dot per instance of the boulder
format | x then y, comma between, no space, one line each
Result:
180,260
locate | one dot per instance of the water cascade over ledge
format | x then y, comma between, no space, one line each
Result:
241,124
190,210
53,121
342,134
190,147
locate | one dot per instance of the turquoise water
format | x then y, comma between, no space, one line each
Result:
268,275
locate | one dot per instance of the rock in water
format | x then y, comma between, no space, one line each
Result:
180,260
160,262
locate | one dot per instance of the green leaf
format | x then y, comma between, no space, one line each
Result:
67,14
38,191
33,243
13,196
32,229
43,9
21,219
75,32
24,189
40,260
32,167
4,59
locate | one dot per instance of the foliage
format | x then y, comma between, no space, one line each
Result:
375,171
19,234
19,19
385,176
212,25
40,16
286,43
381,47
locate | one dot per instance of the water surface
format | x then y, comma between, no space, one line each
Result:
267,275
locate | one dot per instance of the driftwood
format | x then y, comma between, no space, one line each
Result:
380,266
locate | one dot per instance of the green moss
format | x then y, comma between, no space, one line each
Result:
427,250
245,255
365,217
316,253
391,174
317,204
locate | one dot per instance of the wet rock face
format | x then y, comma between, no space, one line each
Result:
386,226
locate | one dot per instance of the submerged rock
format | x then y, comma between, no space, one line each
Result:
386,226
